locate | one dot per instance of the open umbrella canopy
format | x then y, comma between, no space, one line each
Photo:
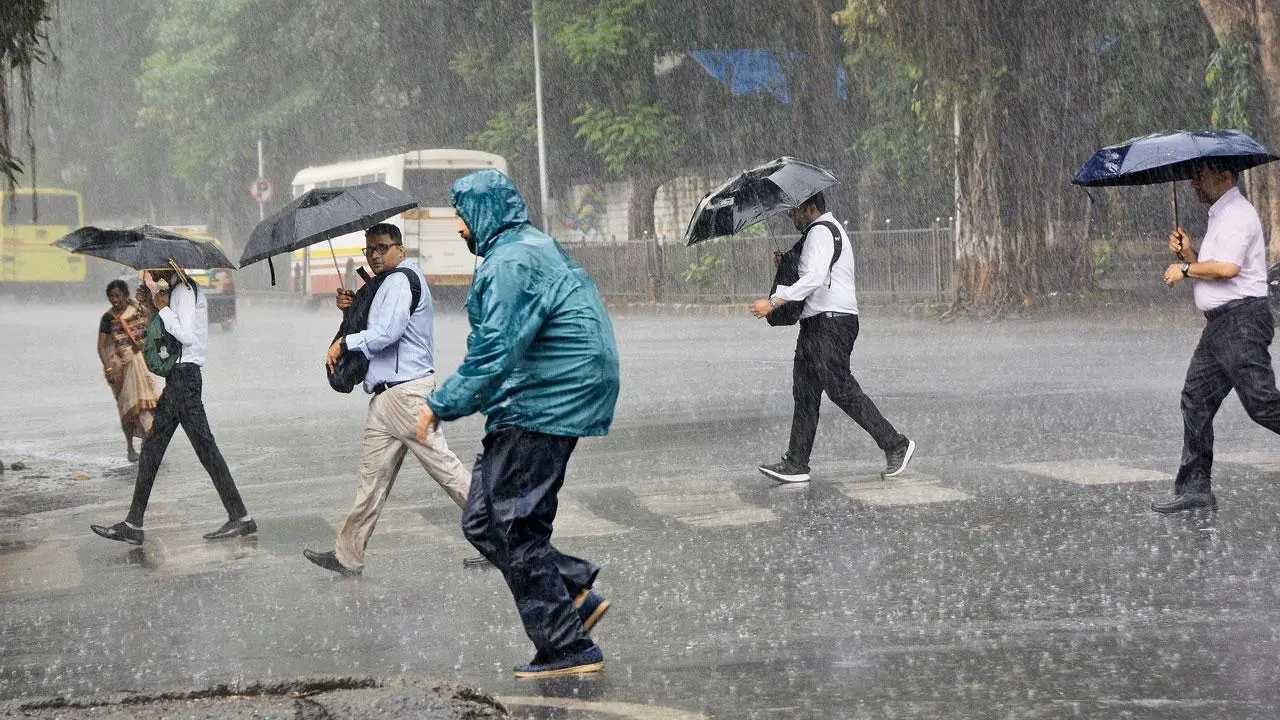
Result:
754,195
1169,157
144,247
324,213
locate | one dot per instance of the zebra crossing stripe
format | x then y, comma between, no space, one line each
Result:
713,506
45,567
1091,472
916,490
574,520
1265,461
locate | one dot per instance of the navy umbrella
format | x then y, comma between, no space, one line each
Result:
144,247
754,195
323,214
1169,157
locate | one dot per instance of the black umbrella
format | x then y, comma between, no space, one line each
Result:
323,214
145,247
1169,157
754,195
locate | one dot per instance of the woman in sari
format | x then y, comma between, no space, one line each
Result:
120,335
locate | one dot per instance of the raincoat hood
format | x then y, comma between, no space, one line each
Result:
489,203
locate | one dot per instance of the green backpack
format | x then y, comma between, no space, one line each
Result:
159,348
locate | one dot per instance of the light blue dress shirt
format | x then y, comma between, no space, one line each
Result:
400,345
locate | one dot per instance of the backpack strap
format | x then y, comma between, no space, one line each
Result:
415,287
835,237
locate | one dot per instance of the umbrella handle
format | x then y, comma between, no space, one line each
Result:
1176,222
334,255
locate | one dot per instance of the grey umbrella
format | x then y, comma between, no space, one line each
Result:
322,214
144,247
754,195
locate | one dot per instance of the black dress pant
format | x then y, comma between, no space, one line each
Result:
510,510
181,404
822,364
1232,355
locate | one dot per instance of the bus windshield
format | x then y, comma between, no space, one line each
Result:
430,187
53,210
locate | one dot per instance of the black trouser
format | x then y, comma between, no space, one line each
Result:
1232,354
510,509
822,363
180,404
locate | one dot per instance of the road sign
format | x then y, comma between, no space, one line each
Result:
260,190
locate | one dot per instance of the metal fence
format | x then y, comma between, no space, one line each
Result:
889,264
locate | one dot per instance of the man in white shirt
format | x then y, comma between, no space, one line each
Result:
185,313
828,329
1229,281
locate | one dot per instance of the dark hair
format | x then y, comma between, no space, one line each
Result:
120,285
1222,165
384,229
819,201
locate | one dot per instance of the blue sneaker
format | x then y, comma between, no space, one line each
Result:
588,661
591,606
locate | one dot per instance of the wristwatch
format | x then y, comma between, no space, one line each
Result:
1186,268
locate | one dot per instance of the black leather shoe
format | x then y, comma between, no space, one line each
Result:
120,531
329,561
233,528
1185,501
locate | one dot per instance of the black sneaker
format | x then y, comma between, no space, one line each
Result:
590,660
120,531
329,561
896,459
591,606
786,471
233,528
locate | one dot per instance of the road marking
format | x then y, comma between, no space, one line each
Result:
1265,461
633,711
45,567
711,506
574,520
180,553
1091,472
916,490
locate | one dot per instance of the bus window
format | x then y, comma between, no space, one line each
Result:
366,179
431,187
53,210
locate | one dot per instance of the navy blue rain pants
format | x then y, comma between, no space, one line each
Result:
508,518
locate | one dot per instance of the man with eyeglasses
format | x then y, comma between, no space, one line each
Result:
399,345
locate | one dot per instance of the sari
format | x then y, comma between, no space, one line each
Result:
132,385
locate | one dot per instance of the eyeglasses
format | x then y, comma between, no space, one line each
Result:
372,250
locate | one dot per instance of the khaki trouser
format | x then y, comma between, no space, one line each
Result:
389,433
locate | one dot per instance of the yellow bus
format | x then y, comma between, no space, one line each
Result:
27,252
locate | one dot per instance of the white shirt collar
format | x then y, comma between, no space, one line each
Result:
1222,202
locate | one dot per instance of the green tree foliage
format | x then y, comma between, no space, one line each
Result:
24,44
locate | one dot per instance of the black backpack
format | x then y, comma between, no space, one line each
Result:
353,365
788,273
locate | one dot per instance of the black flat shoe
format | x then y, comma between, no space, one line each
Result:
1185,501
233,528
120,531
329,561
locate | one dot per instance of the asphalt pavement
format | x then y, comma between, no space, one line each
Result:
1014,572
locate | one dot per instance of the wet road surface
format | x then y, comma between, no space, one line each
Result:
1015,572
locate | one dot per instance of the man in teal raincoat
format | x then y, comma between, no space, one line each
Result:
542,365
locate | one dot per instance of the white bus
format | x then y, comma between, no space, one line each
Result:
430,231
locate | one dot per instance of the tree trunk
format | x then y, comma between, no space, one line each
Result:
1258,20
640,221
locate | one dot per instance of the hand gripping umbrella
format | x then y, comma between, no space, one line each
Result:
323,214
